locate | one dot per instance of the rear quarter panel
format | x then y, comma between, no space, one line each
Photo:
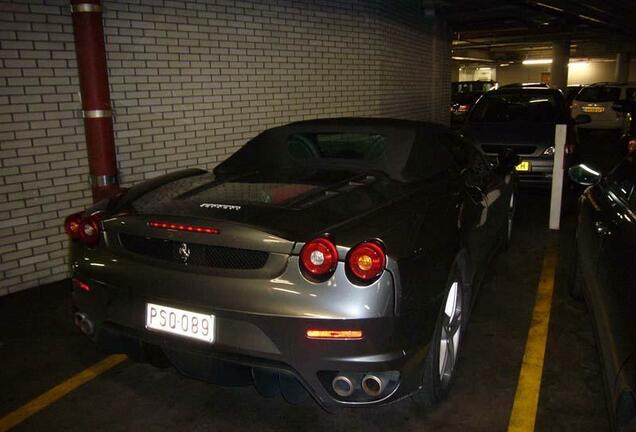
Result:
422,239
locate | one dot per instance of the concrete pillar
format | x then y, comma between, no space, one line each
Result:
621,73
560,60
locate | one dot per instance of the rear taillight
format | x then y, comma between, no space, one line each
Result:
463,108
319,258
81,285
72,225
366,261
83,228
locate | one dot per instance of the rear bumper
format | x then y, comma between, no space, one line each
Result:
260,342
539,172
601,122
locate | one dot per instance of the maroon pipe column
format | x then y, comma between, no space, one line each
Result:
93,78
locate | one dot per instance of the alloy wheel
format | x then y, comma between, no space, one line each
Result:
450,334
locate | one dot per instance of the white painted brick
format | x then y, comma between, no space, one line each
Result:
191,82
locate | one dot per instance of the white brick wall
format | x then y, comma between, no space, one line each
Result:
191,81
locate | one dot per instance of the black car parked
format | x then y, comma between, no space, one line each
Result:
522,119
605,275
628,139
464,94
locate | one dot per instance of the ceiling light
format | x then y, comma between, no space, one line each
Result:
578,64
547,6
537,61
473,59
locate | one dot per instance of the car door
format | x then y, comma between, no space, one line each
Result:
616,270
481,209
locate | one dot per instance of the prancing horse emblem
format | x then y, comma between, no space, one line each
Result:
184,252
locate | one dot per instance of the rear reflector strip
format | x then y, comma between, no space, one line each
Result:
81,285
335,334
182,227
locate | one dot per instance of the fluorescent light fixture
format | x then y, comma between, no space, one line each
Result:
537,62
547,6
590,170
473,59
549,61
589,18
504,64
579,64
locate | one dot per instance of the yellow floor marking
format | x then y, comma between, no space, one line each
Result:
524,409
59,391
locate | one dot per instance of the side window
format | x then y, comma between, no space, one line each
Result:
629,93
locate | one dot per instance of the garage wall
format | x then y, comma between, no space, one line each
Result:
583,73
191,82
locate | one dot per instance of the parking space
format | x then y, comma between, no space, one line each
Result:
237,188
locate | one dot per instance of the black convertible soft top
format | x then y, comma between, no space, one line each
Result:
404,150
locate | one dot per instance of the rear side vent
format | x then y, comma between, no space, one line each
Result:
194,254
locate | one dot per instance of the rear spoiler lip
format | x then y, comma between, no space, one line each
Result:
143,188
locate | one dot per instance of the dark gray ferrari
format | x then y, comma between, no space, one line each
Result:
335,258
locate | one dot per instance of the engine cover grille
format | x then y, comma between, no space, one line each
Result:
194,254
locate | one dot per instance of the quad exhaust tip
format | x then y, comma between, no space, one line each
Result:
372,385
342,386
83,323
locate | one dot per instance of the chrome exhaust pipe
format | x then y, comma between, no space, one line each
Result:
372,385
342,386
85,325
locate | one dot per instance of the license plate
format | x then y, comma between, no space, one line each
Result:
593,109
523,166
180,322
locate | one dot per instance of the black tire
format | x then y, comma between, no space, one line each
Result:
436,381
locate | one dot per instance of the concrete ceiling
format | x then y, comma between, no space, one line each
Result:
509,30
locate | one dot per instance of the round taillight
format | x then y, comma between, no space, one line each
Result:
319,257
366,261
89,230
72,225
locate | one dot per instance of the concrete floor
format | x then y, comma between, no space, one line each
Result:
40,348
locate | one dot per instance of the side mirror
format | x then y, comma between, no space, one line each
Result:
508,159
584,175
582,119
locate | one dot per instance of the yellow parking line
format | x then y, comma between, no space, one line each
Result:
524,409
59,391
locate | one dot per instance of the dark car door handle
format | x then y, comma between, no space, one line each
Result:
602,228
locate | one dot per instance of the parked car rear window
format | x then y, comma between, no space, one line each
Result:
471,87
599,94
356,146
515,107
